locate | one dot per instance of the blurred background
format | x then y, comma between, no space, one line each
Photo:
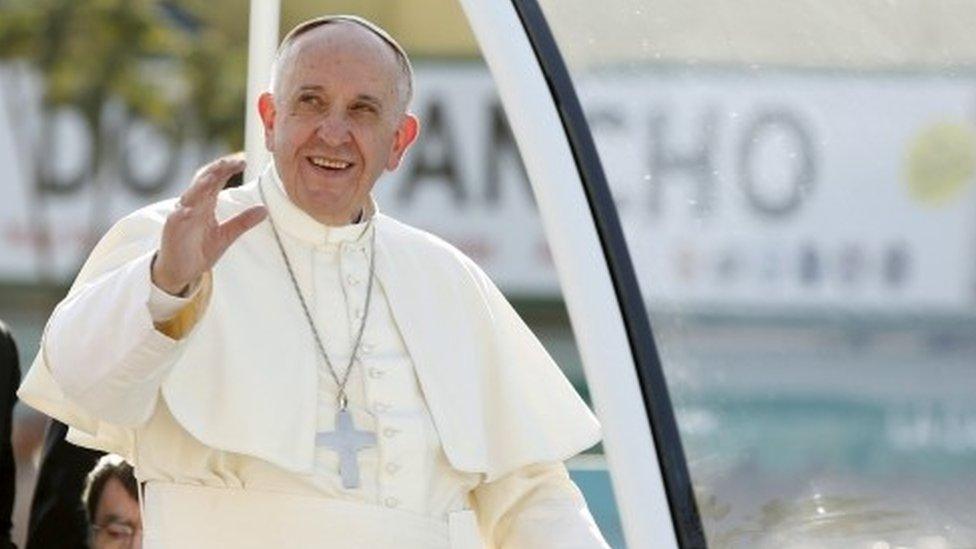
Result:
796,182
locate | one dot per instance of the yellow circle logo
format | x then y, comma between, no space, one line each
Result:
941,160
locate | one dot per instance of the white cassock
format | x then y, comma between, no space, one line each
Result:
472,417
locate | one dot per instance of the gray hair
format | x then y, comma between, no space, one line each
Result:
404,82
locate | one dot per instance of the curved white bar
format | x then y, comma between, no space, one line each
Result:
583,274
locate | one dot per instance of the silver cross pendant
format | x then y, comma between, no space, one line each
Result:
347,442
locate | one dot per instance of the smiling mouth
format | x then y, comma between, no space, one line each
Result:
330,164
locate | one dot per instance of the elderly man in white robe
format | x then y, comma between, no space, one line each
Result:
285,366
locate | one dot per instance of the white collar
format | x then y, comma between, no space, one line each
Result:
294,221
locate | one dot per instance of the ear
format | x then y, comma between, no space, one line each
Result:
406,134
266,109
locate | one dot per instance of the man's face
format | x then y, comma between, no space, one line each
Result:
117,522
335,122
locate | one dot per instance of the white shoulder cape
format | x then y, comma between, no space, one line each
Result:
241,384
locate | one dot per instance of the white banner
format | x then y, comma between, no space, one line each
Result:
795,189
791,189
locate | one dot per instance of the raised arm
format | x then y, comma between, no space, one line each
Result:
192,239
103,345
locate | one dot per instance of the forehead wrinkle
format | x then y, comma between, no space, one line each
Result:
319,87
381,102
378,102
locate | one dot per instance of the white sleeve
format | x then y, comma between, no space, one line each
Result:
536,507
163,306
103,349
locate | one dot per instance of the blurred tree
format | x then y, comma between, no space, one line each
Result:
113,62
215,71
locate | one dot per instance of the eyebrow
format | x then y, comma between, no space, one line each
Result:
370,99
310,87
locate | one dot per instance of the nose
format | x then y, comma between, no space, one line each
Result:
334,129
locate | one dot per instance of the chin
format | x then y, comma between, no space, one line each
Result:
325,207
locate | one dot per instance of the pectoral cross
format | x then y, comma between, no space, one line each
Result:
346,441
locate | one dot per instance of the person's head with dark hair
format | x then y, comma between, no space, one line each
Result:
112,504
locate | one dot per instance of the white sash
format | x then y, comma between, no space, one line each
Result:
191,517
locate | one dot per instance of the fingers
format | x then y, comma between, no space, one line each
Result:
233,228
211,179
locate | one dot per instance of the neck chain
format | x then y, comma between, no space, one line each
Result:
340,383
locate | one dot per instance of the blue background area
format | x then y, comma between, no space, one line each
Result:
596,488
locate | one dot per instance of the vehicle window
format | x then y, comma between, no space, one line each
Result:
795,181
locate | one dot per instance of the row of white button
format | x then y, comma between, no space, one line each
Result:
366,348
373,372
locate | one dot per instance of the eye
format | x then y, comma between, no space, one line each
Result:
364,108
117,531
309,101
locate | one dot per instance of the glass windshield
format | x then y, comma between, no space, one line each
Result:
796,186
